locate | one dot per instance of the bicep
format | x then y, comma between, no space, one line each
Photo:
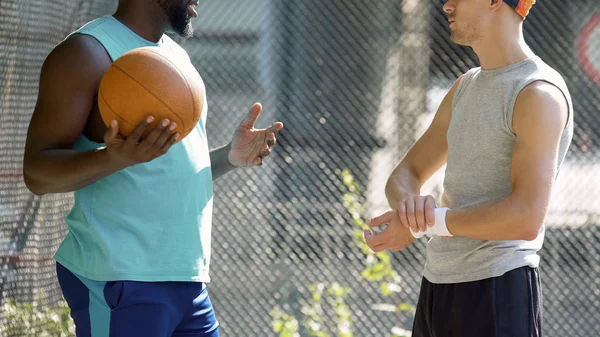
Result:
68,83
539,119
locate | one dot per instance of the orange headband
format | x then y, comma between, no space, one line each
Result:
522,7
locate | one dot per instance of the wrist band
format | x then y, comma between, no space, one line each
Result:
439,228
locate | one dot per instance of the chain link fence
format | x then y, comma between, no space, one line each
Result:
356,83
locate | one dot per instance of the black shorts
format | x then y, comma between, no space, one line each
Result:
506,306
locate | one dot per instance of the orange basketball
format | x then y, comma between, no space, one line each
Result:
152,81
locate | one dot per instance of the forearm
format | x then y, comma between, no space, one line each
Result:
60,171
509,219
403,183
219,160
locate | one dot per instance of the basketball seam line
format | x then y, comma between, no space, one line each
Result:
181,74
101,96
151,93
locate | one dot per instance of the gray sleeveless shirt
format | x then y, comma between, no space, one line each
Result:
480,144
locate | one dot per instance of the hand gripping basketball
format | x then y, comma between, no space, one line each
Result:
134,149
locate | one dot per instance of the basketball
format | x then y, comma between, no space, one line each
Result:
152,81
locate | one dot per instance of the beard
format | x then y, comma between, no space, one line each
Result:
177,14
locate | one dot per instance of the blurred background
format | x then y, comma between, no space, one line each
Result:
356,82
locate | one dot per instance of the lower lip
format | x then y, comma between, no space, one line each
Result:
451,23
192,11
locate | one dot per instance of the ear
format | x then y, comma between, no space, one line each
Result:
495,5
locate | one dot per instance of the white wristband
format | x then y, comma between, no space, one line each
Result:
439,228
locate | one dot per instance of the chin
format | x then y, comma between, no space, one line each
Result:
459,41
188,31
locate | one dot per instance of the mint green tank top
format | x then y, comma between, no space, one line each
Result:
148,222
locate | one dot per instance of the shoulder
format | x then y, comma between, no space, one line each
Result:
542,93
541,101
82,48
79,55
465,78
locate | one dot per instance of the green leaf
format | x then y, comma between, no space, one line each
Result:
405,307
383,257
385,289
348,179
368,274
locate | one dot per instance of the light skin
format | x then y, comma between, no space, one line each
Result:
495,33
67,108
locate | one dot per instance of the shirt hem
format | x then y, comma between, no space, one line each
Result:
202,278
463,278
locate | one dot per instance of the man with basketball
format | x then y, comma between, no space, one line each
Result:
503,130
135,261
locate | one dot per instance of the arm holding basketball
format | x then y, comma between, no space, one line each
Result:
69,80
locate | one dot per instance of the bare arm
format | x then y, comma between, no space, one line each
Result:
425,157
69,80
539,118
428,154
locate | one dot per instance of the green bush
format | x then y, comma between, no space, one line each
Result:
378,269
30,319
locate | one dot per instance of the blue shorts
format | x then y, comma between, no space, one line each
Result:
132,309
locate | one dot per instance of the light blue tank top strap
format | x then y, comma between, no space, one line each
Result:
116,38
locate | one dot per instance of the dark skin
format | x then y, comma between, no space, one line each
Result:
67,108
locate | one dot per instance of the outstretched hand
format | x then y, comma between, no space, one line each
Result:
250,146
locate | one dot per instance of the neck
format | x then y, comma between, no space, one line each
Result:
502,47
148,21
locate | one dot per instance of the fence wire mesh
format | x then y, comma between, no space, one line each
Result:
355,82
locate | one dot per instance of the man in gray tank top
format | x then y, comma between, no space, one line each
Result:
503,131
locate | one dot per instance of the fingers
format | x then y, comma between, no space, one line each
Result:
134,138
272,132
402,214
171,141
158,141
112,132
420,214
417,213
376,241
275,128
156,138
164,135
265,151
382,219
271,139
410,214
252,116
430,211
393,237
